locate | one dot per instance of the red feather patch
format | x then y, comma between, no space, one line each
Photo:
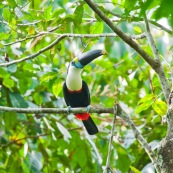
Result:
82,116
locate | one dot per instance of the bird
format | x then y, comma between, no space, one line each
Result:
75,90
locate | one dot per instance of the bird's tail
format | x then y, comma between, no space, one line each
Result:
88,123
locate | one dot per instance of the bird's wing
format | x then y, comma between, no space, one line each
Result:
86,92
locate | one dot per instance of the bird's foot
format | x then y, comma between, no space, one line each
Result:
68,109
88,108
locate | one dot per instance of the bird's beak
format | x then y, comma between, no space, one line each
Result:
87,57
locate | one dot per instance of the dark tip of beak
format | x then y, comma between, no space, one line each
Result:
89,56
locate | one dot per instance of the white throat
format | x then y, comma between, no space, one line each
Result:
74,80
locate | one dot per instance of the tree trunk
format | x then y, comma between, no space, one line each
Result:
165,151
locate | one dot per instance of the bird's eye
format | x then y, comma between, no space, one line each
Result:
73,63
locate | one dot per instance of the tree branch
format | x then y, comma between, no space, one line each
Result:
159,70
152,62
34,36
108,166
54,110
141,36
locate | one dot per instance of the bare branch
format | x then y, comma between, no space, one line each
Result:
159,70
30,37
108,166
139,137
141,36
54,110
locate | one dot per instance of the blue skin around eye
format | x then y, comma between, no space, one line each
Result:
77,64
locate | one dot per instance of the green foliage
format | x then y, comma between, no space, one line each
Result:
35,143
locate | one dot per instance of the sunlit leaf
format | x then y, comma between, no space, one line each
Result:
38,98
9,83
148,97
48,13
78,14
6,14
97,28
134,170
160,107
143,106
57,87
4,36
48,76
137,29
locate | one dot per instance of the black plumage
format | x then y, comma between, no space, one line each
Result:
80,99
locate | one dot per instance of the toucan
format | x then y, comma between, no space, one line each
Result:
75,90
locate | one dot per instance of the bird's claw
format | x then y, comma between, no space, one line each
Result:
68,109
88,108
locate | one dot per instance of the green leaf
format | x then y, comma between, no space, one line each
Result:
9,83
57,12
38,98
48,13
4,74
78,14
48,76
9,119
6,14
146,98
4,36
57,87
160,107
134,170
129,5
18,100
122,155
28,66
144,106
137,29
97,28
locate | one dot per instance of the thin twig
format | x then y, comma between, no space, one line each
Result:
137,37
30,37
29,23
108,166
159,70
151,40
